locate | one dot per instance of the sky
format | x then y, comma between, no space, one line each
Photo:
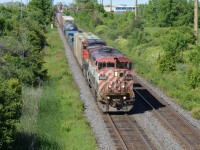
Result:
106,2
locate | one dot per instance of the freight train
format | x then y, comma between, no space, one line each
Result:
107,71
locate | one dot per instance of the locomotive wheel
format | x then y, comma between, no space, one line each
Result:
89,83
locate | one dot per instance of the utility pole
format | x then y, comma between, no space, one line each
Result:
110,5
136,10
196,19
21,10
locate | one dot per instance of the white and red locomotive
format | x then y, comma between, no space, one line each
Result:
109,74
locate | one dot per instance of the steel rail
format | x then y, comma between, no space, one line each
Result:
167,123
117,132
139,133
168,106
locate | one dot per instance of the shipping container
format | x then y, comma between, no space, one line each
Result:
81,41
66,19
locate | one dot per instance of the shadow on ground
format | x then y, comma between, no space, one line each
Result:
30,141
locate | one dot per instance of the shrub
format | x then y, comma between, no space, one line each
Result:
10,110
174,43
193,75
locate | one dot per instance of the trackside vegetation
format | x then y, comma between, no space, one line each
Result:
39,102
22,41
54,112
160,42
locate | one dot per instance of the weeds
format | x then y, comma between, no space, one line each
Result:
53,115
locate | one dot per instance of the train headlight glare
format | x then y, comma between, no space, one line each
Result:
103,77
123,86
116,74
108,97
129,77
124,97
109,86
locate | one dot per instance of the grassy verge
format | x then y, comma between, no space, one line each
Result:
56,111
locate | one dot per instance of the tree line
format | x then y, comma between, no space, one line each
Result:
22,41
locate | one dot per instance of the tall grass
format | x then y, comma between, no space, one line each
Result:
26,135
58,120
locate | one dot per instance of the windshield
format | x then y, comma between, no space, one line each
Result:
119,65
102,65
124,65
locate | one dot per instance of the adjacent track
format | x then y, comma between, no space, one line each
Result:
126,133
187,135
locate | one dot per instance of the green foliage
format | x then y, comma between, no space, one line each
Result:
53,115
168,13
174,42
194,57
45,7
167,63
193,76
193,72
2,25
177,40
10,110
21,62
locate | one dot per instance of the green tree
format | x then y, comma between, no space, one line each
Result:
10,110
44,6
2,25
168,13
175,42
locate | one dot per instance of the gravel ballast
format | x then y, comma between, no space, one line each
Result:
152,127
170,101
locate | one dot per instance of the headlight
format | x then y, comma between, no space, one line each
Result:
123,86
129,77
124,97
103,77
109,86
116,74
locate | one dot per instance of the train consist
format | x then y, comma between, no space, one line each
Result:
107,71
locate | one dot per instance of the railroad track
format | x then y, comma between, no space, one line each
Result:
187,135
126,133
